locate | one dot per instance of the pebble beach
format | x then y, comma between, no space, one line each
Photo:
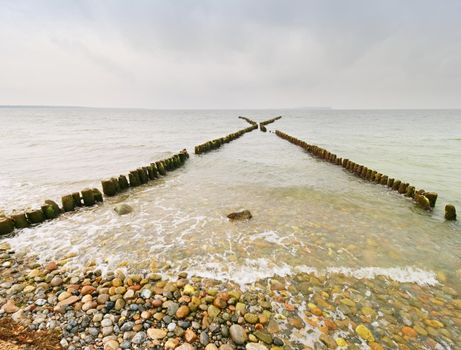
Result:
117,311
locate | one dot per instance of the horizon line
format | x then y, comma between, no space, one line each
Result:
230,109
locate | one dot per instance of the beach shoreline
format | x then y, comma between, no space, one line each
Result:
305,311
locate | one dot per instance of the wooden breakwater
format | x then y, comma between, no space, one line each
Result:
424,199
91,196
248,120
262,125
269,121
216,143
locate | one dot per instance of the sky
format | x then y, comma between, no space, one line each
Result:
231,54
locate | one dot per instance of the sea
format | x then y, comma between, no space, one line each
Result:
308,215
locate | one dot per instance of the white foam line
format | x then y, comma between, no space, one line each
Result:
400,274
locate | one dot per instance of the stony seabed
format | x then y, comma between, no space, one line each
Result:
88,310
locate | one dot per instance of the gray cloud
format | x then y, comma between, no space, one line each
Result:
231,54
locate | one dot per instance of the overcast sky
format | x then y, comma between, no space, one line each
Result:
231,54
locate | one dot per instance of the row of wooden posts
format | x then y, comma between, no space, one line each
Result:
269,121
248,120
143,175
91,196
424,199
216,143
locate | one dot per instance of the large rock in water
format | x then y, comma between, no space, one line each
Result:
123,209
240,215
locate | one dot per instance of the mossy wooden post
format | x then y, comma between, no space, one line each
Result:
384,180
410,192
146,173
51,209
20,220
88,197
396,185
423,201
6,226
150,171
55,206
109,187
48,211
402,188
97,195
142,175
123,182
378,177
373,175
35,216
68,202
161,168
450,212
134,178
116,183
78,202
432,196
390,182
154,169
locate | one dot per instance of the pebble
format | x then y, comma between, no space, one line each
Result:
237,334
182,312
251,318
9,307
364,333
155,333
111,345
56,281
255,346
139,338
106,322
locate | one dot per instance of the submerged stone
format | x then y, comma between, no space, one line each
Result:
240,215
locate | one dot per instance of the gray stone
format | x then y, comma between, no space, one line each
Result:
238,334
123,209
127,326
139,338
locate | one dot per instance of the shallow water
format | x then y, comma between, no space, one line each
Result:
307,215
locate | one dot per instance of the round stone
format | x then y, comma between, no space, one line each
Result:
238,334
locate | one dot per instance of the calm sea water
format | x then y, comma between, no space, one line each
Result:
308,215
